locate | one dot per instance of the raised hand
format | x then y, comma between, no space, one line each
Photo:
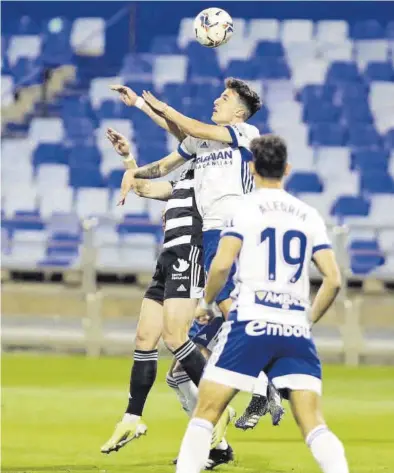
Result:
127,95
119,142
153,102
128,183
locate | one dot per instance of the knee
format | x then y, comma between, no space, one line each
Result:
207,409
173,339
145,341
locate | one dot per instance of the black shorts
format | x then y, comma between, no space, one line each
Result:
179,274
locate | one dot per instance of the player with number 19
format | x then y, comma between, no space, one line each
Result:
272,239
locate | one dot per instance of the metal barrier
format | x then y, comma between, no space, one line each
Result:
349,345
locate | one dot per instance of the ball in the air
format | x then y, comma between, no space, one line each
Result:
213,27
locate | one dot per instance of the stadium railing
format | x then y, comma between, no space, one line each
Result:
358,328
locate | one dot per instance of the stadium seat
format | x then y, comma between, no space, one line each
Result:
21,197
351,92
105,235
321,202
390,30
368,29
26,72
25,25
155,210
24,255
246,70
296,30
56,49
47,153
381,206
371,50
357,111
110,109
278,91
377,183
317,112
327,134
85,177
349,205
301,159
52,176
63,223
313,72
100,91
202,64
142,249
165,45
19,173
369,160
27,47
379,71
263,29
381,95
340,71
300,52
332,31
332,161
366,256
137,67
15,151
389,139
84,157
361,135
186,32
134,205
54,200
269,49
46,130
88,36
304,182
336,51
169,68
386,241
114,178
92,202
316,92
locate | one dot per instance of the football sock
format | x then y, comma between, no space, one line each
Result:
192,360
195,446
143,375
327,450
182,399
188,389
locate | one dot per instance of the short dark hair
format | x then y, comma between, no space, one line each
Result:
269,156
248,96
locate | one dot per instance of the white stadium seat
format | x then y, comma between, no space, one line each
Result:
300,52
371,50
7,91
52,176
92,202
336,51
332,31
314,72
46,130
88,36
264,29
134,205
121,125
186,32
278,91
169,68
99,90
24,46
332,161
379,212
296,30
54,200
155,210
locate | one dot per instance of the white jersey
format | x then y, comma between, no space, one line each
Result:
222,173
280,234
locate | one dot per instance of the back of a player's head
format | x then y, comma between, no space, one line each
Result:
248,97
269,156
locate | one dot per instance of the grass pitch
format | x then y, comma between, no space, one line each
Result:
58,411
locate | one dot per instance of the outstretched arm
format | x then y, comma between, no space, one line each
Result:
190,126
130,98
142,187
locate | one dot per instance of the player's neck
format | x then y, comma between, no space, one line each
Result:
264,183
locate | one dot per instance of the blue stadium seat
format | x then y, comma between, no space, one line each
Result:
76,107
319,111
304,182
86,177
350,206
165,45
368,29
377,183
389,139
25,220
78,129
139,86
46,153
363,136
379,71
357,111
327,134
352,92
269,49
272,68
25,26
248,70
368,160
314,92
390,30
84,156
203,63
341,71
136,67
365,256
27,72
110,109
115,178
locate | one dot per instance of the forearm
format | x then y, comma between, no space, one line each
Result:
188,125
325,296
150,171
217,278
163,122
129,162
153,190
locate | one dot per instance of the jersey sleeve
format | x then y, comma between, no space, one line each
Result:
187,149
242,134
236,227
321,241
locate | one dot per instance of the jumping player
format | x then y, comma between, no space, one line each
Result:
221,154
168,306
272,239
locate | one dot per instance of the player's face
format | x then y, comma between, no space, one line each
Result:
226,107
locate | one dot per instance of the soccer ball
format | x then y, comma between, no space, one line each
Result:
213,27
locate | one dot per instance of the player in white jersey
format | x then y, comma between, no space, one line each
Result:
221,154
272,238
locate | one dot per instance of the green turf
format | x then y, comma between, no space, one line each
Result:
58,411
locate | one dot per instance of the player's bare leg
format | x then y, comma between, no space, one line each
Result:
143,375
265,397
325,446
211,410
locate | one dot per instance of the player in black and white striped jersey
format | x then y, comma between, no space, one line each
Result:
168,306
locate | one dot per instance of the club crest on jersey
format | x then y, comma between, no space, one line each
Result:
217,159
278,300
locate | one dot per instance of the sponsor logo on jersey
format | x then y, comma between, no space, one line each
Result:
181,288
183,265
255,328
278,300
220,159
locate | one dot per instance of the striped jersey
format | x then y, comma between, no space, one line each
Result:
222,173
183,222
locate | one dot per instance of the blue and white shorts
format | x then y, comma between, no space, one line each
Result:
285,353
206,335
